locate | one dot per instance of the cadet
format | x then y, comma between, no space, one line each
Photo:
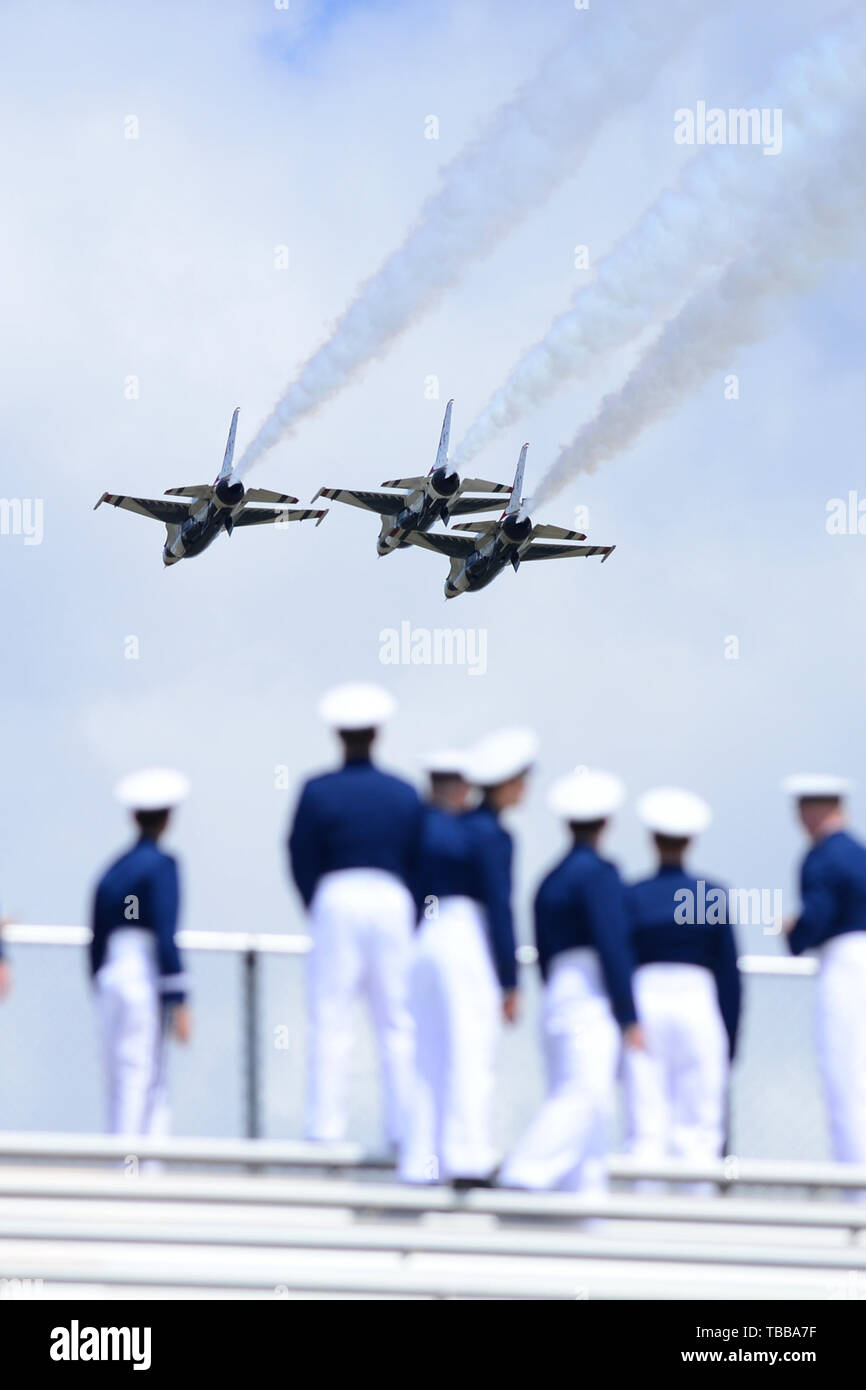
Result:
832,922
583,951
140,984
353,849
464,973
687,990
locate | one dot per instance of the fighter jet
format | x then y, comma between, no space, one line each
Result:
476,561
425,500
210,508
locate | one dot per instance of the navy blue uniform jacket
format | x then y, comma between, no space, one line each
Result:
654,905
355,818
833,892
141,889
582,903
470,856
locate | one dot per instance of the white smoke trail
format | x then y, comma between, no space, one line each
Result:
819,222
698,224
531,144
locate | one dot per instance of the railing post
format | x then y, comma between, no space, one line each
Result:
251,1008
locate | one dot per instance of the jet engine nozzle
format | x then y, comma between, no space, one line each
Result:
227,493
517,528
444,482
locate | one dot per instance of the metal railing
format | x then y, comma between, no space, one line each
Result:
207,1152
253,1154
251,947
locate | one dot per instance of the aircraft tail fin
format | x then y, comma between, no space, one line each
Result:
480,527
225,471
442,451
483,485
557,533
263,494
515,501
411,483
200,490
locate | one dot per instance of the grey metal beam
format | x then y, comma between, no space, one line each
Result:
107,1148
374,1199
419,1239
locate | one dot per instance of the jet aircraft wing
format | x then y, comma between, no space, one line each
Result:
458,547
560,552
385,503
171,513
261,516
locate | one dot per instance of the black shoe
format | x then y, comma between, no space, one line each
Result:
466,1184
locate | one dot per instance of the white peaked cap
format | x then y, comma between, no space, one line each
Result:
356,707
445,762
672,811
817,784
586,795
152,789
500,756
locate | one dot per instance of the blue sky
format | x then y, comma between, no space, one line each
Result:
154,258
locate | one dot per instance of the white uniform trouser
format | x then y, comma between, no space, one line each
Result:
565,1145
456,1003
675,1089
132,1017
841,1021
361,924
